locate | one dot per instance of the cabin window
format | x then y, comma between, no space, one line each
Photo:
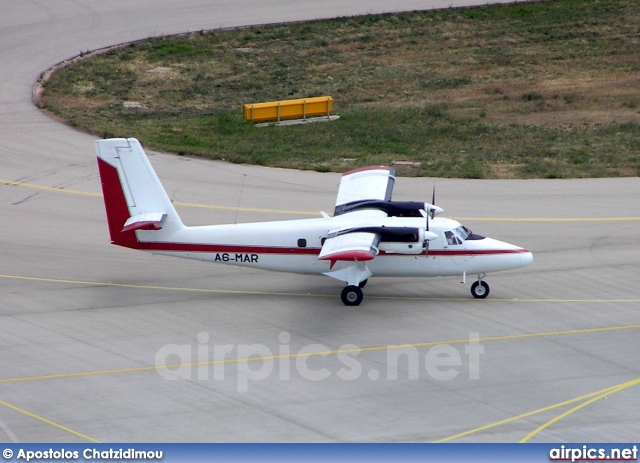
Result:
302,243
452,239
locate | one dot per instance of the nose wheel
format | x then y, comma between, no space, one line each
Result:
479,289
352,295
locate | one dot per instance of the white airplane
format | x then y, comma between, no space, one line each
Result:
368,235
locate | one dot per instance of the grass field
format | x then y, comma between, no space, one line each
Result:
530,90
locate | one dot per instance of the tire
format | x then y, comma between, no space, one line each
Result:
362,284
480,289
352,295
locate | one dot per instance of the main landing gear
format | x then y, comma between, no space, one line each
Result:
352,295
356,278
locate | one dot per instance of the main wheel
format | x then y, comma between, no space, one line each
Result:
352,295
480,289
362,284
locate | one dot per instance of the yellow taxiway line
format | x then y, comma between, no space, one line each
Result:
274,293
594,396
597,394
48,188
316,354
49,422
588,398
317,213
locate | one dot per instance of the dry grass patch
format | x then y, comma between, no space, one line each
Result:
481,92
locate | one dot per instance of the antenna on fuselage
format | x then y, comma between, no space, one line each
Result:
235,220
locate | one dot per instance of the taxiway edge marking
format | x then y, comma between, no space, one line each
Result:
49,422
597,394
601,394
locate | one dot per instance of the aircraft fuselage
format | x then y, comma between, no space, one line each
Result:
294,246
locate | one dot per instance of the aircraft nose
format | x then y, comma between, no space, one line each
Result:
526,258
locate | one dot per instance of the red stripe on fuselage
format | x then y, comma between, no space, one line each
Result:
231,248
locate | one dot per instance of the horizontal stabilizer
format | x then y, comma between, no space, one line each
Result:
145,221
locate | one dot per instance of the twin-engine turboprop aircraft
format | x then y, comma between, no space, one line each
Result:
368,235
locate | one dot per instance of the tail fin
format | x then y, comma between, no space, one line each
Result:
133,195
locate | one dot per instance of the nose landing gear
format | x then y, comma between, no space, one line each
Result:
479,289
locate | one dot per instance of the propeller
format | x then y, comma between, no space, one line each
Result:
425,214
428,212
433,201
432,209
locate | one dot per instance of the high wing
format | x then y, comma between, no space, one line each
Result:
369,189
351,247
364,196
364,185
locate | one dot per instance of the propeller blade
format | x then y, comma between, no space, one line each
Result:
425,214
433,201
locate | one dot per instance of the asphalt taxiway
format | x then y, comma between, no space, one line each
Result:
100,343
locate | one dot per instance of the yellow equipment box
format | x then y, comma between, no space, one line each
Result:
289,109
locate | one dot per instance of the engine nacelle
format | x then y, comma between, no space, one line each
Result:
397,240
391,208
402,240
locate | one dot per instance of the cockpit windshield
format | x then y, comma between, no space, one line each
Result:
460,234
465,234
